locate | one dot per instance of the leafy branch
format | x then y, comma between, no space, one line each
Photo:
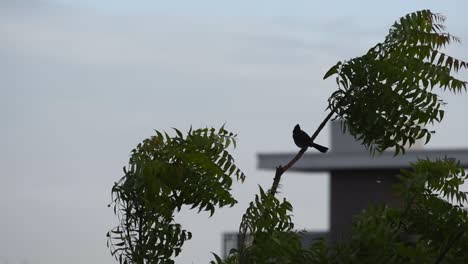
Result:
164,174
384,96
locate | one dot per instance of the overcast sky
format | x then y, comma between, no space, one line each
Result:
83,82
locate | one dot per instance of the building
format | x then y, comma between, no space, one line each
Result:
357,178
231,240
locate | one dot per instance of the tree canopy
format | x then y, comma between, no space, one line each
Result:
385,98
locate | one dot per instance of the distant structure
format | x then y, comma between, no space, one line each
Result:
231,240
357,178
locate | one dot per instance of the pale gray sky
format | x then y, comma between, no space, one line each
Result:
83,82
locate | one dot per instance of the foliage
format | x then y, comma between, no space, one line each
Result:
269,222
427,229
385,97
165,173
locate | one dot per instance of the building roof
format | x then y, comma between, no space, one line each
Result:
348,154
358,160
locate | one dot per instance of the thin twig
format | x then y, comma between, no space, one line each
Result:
280,170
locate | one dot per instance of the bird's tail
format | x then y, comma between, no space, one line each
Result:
319,147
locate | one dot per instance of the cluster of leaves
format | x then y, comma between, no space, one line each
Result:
164,173
434,207
427,229
385,97
267,235
430,226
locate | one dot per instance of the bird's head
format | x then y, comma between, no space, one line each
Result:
297,128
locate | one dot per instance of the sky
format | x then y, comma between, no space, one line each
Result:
83,82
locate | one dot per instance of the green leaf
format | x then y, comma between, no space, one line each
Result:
332,70
179,134
218,259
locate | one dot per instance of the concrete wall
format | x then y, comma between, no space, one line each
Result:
351,191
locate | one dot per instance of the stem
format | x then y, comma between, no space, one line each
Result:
280,170
141,252
128,226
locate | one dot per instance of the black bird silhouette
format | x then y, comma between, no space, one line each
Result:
302,140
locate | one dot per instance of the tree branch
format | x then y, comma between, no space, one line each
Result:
280,170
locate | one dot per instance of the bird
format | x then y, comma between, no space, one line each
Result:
302,140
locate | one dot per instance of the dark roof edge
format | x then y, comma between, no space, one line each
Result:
358,160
